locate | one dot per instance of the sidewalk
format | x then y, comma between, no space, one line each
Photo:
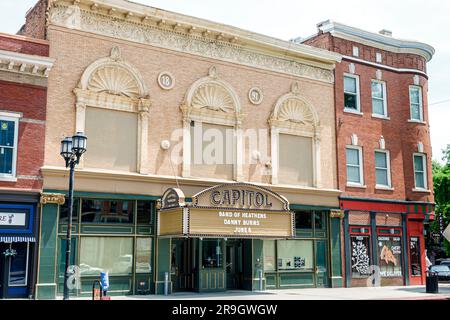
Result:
381,293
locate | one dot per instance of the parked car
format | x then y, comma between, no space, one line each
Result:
445,262
442,271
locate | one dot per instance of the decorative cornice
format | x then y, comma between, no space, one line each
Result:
53,171
377,40
25,63
254,52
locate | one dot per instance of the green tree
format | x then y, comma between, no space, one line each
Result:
441,182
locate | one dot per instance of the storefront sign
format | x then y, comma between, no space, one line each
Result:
13,219
232,210
52,198
172,198
239,223
240,196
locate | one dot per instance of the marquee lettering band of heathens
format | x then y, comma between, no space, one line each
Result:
240,197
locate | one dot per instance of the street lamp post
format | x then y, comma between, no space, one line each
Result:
72,148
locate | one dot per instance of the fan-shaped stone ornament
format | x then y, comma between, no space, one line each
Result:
213,97
115,80
296,111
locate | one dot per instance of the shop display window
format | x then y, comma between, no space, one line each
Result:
212,254
319,220
414,255
390,253
360,256
144,212
106,254
19,265
303,220
295,255
107,211
64,211
269,255
143,255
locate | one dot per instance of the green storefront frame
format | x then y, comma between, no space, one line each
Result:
51,261
326,245
326,266
247,253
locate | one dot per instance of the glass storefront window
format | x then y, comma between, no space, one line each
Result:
269,255
319,220
212,254
303,220
360,256
414,254
107,211
19,265
389,255
295,255
64,211
144,212
106,254
143,255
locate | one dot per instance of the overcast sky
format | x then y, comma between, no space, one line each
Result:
425,21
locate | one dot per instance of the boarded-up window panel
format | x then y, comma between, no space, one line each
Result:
295,160
390,219
212,151
112,139
360,218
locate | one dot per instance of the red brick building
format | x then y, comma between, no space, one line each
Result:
24,67
383,151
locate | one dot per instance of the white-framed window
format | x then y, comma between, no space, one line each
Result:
420,171
355,171
351,93
379,101
382,169
355,51
9,131
379,57
415,103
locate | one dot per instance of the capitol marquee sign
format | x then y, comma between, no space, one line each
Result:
236,210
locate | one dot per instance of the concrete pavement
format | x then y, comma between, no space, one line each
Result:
379,293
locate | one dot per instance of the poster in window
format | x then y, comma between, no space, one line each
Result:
299,262
390,256
360,256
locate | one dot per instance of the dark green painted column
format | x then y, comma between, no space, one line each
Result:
162,264
335,254
405,264
347,249
257,263
46,281
374,237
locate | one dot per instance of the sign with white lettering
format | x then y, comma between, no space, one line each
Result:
211,222
13,219
236,210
